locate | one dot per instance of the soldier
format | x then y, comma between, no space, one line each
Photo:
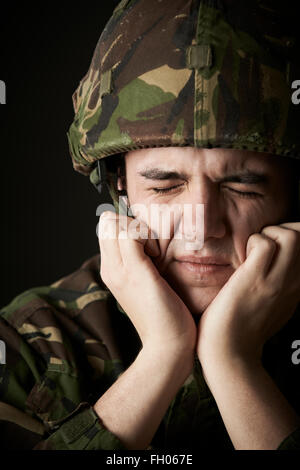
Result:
174,342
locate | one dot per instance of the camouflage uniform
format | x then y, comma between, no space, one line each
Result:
207,73
66,345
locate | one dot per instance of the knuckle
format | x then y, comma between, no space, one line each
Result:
254,237
270,230
268,243
104,216
292,237
264,241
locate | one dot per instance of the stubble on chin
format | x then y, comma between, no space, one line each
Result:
196,298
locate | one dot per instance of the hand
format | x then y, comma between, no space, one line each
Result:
158,314
257,300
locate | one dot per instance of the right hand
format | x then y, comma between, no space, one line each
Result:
156,311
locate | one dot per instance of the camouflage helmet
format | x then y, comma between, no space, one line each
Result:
201,73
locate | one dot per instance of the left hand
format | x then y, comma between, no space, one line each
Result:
258,299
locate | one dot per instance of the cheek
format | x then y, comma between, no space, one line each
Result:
240,237
166,241
250,220
161,221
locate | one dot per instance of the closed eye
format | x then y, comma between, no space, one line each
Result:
167,190
246,194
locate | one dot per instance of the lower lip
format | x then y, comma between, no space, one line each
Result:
203,268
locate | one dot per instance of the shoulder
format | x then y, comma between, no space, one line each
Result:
48,327
71,292
73,320
60,340
61,350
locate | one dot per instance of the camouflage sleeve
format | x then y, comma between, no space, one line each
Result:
58,356
21,428
81,430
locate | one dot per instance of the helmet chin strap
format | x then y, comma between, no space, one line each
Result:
102,175
103,180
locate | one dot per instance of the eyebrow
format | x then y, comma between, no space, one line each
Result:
247,177
158,174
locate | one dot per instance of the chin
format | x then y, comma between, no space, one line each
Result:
197,295
197,299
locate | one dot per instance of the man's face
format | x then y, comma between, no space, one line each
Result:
241,192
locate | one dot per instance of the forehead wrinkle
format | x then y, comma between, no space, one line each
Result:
215,168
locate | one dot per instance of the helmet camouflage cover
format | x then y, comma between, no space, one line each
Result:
201,73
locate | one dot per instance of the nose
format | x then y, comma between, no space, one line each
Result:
214,215
203,213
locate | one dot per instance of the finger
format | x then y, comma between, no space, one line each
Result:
288,242
260,253
108,239
152,247
138,230
135,242
291,225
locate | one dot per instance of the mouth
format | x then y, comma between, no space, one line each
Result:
205,265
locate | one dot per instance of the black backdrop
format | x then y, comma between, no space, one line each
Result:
48,211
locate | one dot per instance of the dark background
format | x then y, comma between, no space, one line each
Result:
48,211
